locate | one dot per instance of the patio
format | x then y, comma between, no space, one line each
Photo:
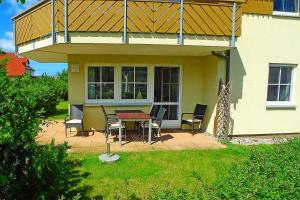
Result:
89,142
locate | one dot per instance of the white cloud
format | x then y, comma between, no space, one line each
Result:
7,43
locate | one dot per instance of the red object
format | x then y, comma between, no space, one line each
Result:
131,114
16,66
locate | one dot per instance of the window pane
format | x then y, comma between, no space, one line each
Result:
93,91
274,75
107,91
127,74
127,91
278,5
174,75
286,75
272,93
284,94
94,74
166,75
107,74
174,92
141,74
157,84
166,91
173,112
290,5
141,91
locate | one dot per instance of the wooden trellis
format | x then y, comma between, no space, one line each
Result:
223,119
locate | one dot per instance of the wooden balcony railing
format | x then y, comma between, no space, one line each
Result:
142,16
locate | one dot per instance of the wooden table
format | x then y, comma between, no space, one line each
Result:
133,115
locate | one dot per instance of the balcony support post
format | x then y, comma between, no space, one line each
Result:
125,39
66,38
53,22
232,41
180,39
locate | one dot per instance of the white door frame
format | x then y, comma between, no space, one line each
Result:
171,123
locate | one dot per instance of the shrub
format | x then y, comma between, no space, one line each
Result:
47,91
28,170
269,173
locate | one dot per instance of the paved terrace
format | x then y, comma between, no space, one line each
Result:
89,142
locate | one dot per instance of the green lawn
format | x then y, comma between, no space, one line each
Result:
61,112
147,171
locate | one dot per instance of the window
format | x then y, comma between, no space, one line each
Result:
100,82
134,83
280,83
286,6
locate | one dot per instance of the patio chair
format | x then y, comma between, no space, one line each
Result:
153,114
75,119
197,118
154,111
156,124
112,123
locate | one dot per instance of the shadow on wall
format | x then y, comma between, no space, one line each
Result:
237,73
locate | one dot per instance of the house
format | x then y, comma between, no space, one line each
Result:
16,65
125,53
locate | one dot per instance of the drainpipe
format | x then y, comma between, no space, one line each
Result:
224,55
53,22
66,39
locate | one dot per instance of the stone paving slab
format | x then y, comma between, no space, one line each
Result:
95,141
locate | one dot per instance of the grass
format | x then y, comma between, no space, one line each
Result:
61,111
143,172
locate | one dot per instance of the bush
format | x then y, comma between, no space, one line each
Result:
47,91
269,173
28,170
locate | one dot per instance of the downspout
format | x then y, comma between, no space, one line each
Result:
224,55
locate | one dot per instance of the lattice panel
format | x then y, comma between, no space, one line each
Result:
223,119
206,19
34,25
95,15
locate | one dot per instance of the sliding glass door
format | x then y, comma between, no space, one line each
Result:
167,93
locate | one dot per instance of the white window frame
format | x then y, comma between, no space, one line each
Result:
101,82
284,104
282,13
118,85
135,82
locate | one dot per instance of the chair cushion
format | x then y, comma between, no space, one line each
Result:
191,120
74,121
154,125
115,125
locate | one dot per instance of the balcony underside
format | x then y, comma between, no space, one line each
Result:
60,52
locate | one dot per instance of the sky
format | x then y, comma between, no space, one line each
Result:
8,9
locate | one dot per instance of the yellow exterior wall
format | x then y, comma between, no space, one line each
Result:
196,83
264,40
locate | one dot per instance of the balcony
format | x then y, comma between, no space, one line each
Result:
46,27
